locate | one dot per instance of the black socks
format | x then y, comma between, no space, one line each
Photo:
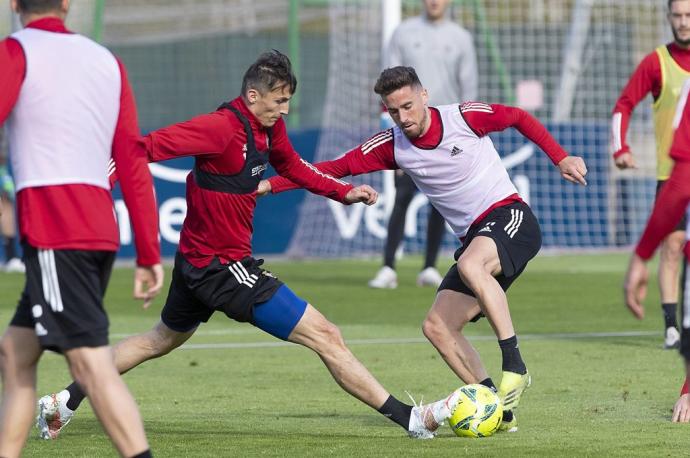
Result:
670,320
76,395
512,361
397,411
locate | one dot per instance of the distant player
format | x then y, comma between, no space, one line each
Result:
443,54
447,152
671,205
661,73
13,264
214,268
70,109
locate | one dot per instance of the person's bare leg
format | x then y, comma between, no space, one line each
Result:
314,331
94,370
477,267
134,350
443,327
669,266
19,354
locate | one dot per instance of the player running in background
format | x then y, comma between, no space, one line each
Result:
443,53
70,110
214,268
669,208
447,152
661,73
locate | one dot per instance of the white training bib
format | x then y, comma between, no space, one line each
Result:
62,126
462,177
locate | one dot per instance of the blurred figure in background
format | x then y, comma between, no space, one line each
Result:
7,225
443,54
661,73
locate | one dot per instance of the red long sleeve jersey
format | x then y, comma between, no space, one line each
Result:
378,153
674,197
77,215
219,224
646,78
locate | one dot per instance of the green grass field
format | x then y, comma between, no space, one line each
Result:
602,385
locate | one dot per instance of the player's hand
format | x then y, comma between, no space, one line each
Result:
681,411
148,282
625,161
264,188
573,169
635,286
364,193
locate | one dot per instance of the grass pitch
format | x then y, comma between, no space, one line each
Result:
602,385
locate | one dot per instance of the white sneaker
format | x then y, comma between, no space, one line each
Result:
385,278
429,277
425,419
15,265
672,338
53,414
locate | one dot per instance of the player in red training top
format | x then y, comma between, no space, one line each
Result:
448,154
661,73
70,109
214,269
671,205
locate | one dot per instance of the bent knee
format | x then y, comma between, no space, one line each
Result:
328,337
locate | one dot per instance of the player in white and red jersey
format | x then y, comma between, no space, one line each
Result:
661,74
214,268
70,109
669,208
447,152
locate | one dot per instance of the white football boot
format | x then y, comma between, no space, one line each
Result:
425,419
671,338
385,278
15,265
53,414
429,277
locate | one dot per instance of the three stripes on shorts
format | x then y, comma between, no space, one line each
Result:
241,274
49,279
515,222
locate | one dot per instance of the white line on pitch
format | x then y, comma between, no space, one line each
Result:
416,340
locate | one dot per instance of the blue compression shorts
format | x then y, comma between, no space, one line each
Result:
280,314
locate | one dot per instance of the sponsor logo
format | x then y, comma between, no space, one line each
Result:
258,169
455,151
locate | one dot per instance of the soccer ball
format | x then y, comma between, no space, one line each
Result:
478,412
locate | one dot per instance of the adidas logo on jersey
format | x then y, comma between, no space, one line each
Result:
455,151
487,228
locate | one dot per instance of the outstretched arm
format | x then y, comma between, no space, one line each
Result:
483,119
203,135
372,155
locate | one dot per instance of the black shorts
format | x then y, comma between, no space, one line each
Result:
234,288
63,297
516,232
684,221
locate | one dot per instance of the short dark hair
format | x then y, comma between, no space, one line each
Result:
271,70
39,6
392,79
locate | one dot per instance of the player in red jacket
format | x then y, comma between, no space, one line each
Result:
214,268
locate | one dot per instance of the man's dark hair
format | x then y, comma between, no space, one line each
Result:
38,6
392,79
272,70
